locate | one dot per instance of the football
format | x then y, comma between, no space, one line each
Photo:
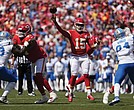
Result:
53,9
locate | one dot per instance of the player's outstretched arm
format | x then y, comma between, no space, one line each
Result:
62,31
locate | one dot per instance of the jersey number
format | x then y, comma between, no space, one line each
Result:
119,47
80,43
2,50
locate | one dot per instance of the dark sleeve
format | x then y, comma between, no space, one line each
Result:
17,51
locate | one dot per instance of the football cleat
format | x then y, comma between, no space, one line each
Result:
43,100
4,100
52,98
20,93
113,102
67,93
70,97
105,98
31,94
90,97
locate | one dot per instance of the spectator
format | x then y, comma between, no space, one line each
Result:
59,69
50,72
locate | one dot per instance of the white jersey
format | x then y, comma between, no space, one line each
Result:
5,51
124,49
109,65
66,63
49,67
59,68
102,65
93,66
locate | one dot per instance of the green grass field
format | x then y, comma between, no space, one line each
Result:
25,102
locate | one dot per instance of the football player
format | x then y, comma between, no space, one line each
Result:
9,75
78,38
23,64
93,41
111,90
37,56
123,46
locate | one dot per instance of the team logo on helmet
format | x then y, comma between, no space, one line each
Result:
24,29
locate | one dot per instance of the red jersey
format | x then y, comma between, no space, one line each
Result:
93,40
35,53
78,42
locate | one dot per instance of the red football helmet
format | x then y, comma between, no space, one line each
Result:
79,24
24,29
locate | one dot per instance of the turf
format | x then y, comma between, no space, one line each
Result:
25,102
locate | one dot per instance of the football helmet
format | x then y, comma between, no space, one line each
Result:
24,29
4,35
79,24
119,33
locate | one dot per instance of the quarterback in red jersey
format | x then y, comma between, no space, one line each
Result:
78,38
94,42
36,55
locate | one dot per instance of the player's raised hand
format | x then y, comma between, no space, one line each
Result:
53,10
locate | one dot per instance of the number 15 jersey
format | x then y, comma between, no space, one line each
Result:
78,42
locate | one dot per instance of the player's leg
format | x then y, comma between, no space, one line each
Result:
10,77
29,80
41,81
119,76
131,76
85,68
53,80
38,79
96,81
20,78
106,94
74,63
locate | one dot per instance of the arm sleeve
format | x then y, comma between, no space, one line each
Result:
62,31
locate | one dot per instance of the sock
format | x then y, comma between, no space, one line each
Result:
111,90
97,86
79,80
132,88
38,79
116,90
100,87
87,81
72,83
8,88
47,85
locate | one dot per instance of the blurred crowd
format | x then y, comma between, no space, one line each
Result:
101,17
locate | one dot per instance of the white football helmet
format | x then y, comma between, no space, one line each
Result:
119,33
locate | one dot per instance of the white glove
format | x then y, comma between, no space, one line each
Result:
26,43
